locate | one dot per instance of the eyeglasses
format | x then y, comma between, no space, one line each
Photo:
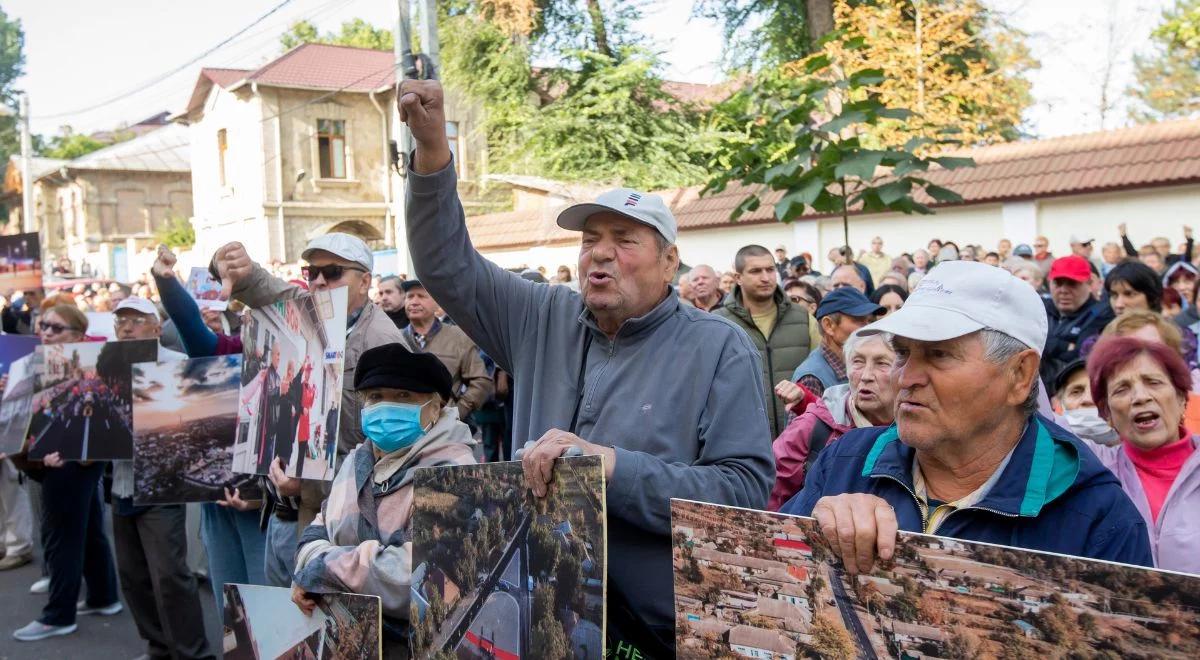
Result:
54,328
801,300
126,321
331,272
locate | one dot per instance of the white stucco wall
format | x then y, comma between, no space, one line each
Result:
1148,212
716,247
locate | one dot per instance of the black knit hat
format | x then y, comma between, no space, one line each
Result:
394,366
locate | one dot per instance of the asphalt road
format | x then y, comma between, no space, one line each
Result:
110,638
850,616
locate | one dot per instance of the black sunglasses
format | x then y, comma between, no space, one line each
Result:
54,328
332,272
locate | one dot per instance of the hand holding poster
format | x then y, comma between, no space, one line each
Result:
185,421
17,372
263,622
752,582
291,386
81,408
507,575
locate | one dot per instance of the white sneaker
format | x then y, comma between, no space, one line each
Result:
108,610
42,586
38,630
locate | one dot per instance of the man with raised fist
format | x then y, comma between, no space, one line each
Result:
611,370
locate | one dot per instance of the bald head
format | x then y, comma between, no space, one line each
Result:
704,282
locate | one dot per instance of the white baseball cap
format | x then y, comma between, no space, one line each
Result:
957,298
1076,239
346,246
139,305
641,207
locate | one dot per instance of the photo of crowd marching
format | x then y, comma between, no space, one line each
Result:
83,406
291,386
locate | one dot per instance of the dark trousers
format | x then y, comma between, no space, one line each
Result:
76,547
159,588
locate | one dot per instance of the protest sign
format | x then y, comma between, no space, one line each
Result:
751,581
263,622
205,290
506,574
20,263
81,408
17,368
291,387
184,423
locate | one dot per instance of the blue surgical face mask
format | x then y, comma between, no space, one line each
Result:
392,426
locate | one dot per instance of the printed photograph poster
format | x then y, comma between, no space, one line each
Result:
291,386
759,584
83,398
17,370
205,290
262,623
184,424
501,574
20,263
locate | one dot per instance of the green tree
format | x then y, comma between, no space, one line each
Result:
355,32
177,232
12,67
804,131
963,644
437,606
549,640
569,578
1167,77
766,32
543,601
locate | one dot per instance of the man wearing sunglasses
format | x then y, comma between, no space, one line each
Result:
334,260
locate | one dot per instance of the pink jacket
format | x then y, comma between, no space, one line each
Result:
1175,537
791,447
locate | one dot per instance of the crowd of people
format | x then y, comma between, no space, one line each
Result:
1003,395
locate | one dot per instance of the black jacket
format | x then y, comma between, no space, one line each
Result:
1066,334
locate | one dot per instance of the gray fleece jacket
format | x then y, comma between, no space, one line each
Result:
678,392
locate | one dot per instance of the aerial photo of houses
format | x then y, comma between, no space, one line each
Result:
500,574
754,584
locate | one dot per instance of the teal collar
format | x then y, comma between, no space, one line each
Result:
1040,470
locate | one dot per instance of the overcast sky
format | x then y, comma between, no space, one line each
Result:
82,54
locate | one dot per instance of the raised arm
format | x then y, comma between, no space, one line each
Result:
493,306
198,340
1130,250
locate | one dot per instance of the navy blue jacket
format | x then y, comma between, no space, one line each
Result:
1054,495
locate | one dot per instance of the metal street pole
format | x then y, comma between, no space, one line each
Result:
429,32
26,169
401,44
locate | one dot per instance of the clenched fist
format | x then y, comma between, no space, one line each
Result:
422,106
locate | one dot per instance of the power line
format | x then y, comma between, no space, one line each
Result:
164,76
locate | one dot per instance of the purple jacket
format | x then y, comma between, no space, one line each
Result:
1175,537
791,448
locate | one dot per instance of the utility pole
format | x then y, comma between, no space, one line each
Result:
406,67
401,44
26,168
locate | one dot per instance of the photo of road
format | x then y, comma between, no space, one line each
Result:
83,407
508,576
767,585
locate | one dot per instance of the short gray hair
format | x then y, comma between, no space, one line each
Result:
857,339
999,347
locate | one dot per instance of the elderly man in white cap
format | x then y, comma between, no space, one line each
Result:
671,397
151,542
334,260
968,456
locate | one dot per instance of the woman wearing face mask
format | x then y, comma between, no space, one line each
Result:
1141,388
1073,395
410,422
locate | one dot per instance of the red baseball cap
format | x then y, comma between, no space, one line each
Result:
1073,267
